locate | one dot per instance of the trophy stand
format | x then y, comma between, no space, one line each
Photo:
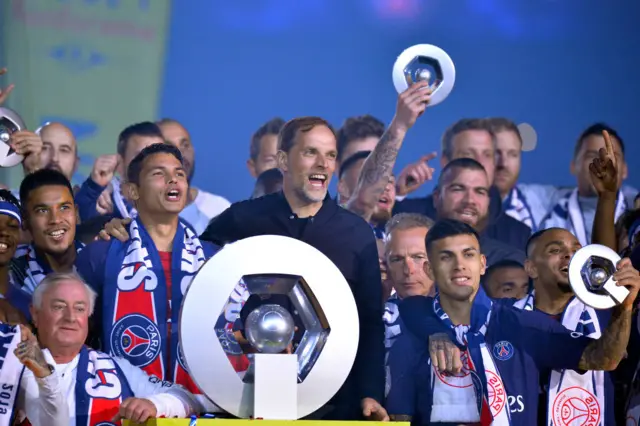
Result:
275,394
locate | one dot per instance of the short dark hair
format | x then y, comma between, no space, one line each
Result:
268,182
360,127
446,228
536,235
135,166
146,128
290,130
271,127
6,195
462,126
40,178
596,130
402,221
505,263
459,163
351,161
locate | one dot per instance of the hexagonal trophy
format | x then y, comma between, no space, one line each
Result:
425,62
591,277
290,308
10,123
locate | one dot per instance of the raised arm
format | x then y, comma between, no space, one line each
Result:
604,176
607,352
378,167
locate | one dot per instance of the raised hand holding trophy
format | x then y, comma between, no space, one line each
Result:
10,123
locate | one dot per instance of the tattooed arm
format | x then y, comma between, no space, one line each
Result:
606,352
30,355
378,167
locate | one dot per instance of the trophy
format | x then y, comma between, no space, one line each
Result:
591,277
299,300
10,123
429,63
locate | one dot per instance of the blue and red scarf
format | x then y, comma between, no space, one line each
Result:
101,387
135,317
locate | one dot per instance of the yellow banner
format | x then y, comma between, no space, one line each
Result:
94,65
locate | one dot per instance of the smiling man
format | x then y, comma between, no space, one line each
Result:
304,210
50,215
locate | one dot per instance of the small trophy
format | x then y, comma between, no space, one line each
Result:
10,123
429,63
591,277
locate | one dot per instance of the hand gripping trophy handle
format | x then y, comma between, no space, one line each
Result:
591,277
10,123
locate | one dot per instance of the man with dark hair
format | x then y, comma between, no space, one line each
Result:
471,138
140,282
263,149
576,210
50,216
304,210
360,133
463,194
202,206
269,182
504,349
506,279
102,192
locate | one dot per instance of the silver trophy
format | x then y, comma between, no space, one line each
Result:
269,329
429,63
591,277
10,123
277,385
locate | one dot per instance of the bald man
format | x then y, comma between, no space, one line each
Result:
59,149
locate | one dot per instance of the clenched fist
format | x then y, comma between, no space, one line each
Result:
104,168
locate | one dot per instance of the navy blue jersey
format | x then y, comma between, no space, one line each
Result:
522,343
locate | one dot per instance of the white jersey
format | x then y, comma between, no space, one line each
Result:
51,401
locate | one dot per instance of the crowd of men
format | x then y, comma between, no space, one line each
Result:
467,315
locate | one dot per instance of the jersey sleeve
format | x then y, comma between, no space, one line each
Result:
223,228
548,342
170,400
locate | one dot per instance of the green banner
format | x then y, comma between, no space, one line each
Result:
94,65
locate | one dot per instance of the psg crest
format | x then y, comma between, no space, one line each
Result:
300,321
10,123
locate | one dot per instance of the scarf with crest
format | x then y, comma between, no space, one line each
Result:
567,385
136,321
477,394
10,372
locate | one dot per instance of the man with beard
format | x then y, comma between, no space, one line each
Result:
140,282
469,138
303,210
348,182
506,279
504,348
548,255
202,206
576,210
59,149
463,194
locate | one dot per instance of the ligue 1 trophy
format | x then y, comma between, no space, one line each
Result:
10,123
429,63
591,277
298,291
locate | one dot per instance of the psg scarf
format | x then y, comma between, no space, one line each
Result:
135,317
10,371
101,387
453,400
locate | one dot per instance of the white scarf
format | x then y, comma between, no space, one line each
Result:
517,207
567,214
120,202
10,371
455,398
567,386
